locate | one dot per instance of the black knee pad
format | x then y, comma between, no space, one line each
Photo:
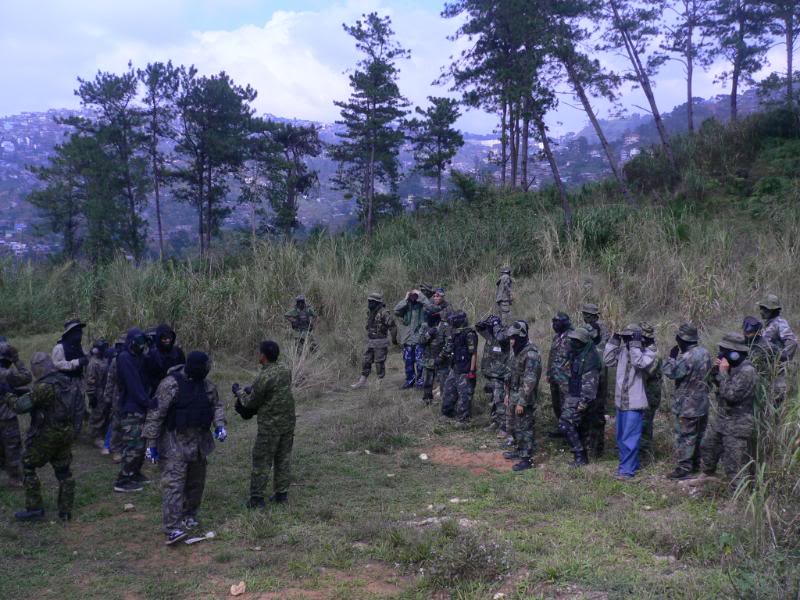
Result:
62,473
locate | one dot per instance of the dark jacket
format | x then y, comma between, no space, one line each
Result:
160,359
132,379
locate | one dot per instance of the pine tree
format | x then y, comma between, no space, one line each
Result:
370,142
434,140
784,22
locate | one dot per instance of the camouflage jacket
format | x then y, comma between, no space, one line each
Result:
432,340
690,372
522,381
632,362
380,323
495,360
413,321
444,309
601,333
459,359
735,399
111,391
653,379
503,293
301,320
189,444
96,375
558,359
15,376
762,357
271,395
584,375
781,338
49,415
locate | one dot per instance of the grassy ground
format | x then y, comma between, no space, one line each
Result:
367,518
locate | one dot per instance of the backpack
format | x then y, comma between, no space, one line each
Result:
68,408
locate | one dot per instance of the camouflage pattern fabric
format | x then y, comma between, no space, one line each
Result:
96,379
301,321
380,324
457,396
689,433
577,409
558,370
182,485
732,428
495,367
690,372
131,426
503,289
376,356
783,343
652,389
11,447
523,390
271,396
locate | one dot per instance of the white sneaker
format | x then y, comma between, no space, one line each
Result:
362,381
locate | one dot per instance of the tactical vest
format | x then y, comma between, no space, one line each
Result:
192,409
67,408
462,358
301,321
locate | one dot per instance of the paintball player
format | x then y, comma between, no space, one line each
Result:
759,351
652,388
68,355
380,324
441,304
557,365
111,398
432,340
597,420
270,399
13,374
627,351
134,400
56,407
410,311
163,354
495,369
782,341
427,293
522,393
584,378
688,366
461,348
503,296
301,318
731,431
178,434
96,377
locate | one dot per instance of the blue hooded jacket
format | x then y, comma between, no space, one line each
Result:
131,377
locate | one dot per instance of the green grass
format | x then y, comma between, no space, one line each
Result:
348,530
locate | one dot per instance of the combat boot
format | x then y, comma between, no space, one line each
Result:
580,459
362,381
279,497
680,474
37,514
522,465
511,455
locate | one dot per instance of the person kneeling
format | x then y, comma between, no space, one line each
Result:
178,432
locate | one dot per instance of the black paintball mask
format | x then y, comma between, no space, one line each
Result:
458,319
683,344
561,323
734,357
300,304
751,327
373,305
197,365
100,348
433,319
138,344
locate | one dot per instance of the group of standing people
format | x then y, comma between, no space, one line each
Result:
148,401
440,354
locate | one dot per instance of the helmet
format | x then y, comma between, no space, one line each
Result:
581,334
590,309
734,341
770,302
375,297
300,298
458,318
518,328
688,333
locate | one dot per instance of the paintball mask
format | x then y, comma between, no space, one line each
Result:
561,322
458,319
197,365
138,344
751,327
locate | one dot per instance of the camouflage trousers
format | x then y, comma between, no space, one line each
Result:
575,421
504,308
729,443
522,426
11,447
115,445
648,420
688,437
457,398
433,378
596,418
100,418
131,425
182,485
271,450
54,448
558,393
495,391
377,356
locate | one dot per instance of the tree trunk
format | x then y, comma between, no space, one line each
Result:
690,75
562,192
735,91
439,184
200,204
503,144
789,24
526,133
513,125
370,192
517,153
157,193
587,107
209,208
253,223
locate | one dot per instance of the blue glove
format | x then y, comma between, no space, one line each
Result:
220,434
151,454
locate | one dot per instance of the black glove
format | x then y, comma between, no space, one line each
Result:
83,361
248,389
235,388
674,352
617,337
245,413
637,336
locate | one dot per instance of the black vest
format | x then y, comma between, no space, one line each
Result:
462,359
191,409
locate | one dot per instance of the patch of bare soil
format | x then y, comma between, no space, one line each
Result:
478,463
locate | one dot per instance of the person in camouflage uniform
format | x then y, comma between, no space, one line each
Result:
56,407
782,341
380,324
96,376
410,310
522,393
427,293
557,365
495,368
13,374
270,398
759,351
504,297
731,431
432,340
111,397
597,419
688,366
461,353
584,378
178,434
301,317
652,388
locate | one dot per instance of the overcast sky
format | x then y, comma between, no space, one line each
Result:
294,53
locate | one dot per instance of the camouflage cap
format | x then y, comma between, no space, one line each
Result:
426,288
506,269
648,330
376,296
582,334
770,302
518,328
72,324
41,365
688,333
631,328
439,290
300,298
734,341
590,309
